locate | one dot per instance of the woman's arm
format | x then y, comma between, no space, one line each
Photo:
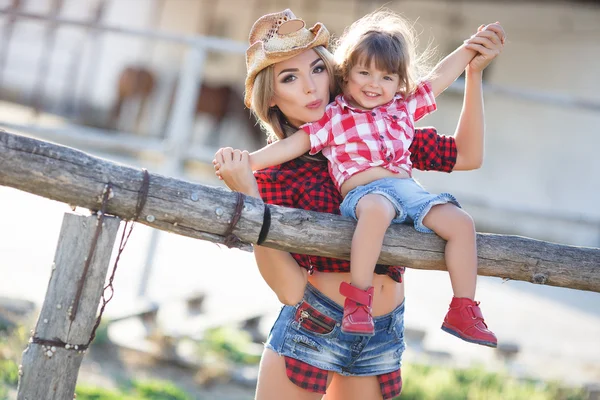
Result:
471,124
278,268
280,151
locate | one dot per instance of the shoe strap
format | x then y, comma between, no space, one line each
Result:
475,312
476,315
363,297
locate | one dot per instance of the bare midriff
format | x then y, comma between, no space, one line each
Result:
388,293
368,176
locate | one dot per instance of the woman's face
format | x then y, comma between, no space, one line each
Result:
301,88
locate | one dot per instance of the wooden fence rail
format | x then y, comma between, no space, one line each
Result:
74,177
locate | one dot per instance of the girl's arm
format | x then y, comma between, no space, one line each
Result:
471,124
449,69
455,63
278,268
280,151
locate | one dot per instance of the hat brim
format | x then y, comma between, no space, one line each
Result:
269,58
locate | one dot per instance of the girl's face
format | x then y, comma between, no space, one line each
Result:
301,88
368,87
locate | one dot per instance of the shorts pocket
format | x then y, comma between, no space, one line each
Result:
311,320
399,330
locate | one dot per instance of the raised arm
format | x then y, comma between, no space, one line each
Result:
278,268
280,151
450,68
453,65
471,124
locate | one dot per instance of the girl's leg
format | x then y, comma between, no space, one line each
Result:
274,384
353,388
457,228
374,213
464,318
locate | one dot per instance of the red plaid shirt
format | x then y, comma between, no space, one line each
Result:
354,140
307,185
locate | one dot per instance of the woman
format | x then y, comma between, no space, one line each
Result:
290,80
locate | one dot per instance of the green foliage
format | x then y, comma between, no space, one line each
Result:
12,343
422,382
9,376
135,390
9,372
229,344
157,390
101,334
96,393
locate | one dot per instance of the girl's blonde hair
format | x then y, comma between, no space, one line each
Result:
271,119
385,40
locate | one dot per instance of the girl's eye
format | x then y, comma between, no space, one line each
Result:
318,69
388,78
288,78
363,72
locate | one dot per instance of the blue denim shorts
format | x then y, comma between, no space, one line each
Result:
311,332
411,201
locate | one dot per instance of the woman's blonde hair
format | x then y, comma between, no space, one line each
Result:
271,119
385,40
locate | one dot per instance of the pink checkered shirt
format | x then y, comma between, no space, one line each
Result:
354,140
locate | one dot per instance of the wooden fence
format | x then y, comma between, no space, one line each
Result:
51,362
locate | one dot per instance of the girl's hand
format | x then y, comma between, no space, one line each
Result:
488,42
233,167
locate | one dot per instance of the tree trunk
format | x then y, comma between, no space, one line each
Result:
204,212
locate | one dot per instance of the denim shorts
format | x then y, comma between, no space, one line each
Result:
311,332
411,201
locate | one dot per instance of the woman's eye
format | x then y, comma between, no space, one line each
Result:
318,69
289,78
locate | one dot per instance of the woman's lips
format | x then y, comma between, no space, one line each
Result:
315,104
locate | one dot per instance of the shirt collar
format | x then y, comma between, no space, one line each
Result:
342,101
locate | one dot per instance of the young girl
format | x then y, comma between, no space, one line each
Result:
365,134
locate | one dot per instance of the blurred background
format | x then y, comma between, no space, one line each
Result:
159,84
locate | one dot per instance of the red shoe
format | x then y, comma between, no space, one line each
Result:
465,320
357,318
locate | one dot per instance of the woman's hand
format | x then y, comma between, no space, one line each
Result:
488,42
233,167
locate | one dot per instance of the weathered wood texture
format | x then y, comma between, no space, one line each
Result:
51,374
203,212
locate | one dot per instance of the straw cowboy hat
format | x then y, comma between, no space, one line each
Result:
278,37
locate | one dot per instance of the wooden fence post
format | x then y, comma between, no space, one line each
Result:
47,371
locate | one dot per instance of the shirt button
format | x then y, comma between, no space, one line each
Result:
388,158
380,136
373,114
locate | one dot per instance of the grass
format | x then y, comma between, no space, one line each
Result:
422,382
134,390
227,344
